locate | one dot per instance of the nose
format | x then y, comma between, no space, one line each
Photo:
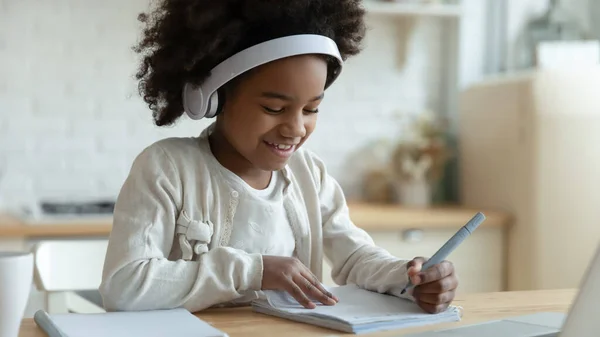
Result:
294,125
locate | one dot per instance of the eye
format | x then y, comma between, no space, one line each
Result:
273,111
312,111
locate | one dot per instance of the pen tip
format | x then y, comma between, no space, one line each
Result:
403,291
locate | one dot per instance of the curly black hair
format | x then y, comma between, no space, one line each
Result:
184,39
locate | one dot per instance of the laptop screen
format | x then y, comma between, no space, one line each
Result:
583,320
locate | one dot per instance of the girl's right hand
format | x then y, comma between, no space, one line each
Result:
289,274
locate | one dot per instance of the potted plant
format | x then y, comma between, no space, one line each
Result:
416,164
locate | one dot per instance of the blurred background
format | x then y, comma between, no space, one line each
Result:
453,107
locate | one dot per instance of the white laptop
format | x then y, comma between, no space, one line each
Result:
581,321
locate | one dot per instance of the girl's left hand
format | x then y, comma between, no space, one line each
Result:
435,287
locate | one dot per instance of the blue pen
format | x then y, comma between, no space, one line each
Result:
451,244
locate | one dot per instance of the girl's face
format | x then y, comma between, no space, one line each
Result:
271,112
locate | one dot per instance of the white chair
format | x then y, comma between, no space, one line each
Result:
70,272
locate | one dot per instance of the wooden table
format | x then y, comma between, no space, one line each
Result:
369,217
477,308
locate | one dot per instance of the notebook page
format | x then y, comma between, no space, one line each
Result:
282,299
158,323
358,306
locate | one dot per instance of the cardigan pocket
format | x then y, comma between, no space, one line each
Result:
194,236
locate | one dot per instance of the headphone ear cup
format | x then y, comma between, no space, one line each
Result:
215,104
220,100
193,102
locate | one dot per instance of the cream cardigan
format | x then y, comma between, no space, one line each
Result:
169,246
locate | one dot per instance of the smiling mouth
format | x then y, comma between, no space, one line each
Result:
282,150
281,146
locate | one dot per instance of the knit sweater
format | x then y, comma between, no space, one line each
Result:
170,242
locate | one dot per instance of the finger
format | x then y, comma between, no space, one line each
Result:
417,261
315,282
313,291
435,273
435,299
297,293
414,266
432,308
446,284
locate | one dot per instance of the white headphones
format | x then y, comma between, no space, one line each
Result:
203,101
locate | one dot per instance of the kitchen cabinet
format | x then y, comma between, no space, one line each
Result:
529,145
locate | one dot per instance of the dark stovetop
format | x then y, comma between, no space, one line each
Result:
80,208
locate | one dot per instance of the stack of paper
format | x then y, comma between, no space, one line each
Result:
358,311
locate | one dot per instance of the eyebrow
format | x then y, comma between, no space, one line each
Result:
277,95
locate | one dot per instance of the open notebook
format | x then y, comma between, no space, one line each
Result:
358,311
155,323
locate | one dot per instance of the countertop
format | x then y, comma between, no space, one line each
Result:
369,217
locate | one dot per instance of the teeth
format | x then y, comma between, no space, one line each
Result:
283,146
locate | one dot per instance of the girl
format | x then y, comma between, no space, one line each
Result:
213,220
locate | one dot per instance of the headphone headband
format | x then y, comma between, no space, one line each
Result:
203,101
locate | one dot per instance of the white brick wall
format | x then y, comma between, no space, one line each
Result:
71,120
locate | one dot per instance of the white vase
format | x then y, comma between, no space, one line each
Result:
414,193
16,277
